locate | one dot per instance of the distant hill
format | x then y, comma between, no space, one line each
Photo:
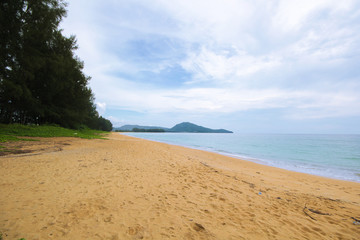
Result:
131,127
181,127
193,128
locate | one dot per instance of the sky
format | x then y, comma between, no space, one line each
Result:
262,66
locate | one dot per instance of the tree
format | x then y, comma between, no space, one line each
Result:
10,48
41,80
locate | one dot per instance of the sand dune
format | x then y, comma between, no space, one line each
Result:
128,188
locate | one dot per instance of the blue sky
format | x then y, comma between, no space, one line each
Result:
248,66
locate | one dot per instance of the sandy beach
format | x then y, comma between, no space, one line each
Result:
129,188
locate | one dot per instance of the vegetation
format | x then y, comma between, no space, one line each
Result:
148,130
41,80
181,127
11,132
142,130
190,127
129,128
17,132
117,130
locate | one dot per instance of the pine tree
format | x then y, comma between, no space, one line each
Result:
41,80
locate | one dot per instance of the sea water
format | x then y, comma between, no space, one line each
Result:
333,156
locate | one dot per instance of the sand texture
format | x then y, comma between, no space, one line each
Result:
128,188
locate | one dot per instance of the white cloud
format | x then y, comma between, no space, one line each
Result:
226,66
335,101
101,107
239,55
292,15
209,20
117,122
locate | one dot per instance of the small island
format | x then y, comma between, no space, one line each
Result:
184,127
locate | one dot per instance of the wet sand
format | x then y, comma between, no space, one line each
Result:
128,188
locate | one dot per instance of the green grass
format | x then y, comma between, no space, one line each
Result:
14,132
9,138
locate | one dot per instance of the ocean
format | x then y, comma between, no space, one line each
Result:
333,156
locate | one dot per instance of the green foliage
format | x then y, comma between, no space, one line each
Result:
99,123
41,80
8,138
190,127
9,131
147,130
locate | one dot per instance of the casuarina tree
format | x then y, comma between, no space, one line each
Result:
41,79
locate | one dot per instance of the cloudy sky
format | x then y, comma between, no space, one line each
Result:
262,66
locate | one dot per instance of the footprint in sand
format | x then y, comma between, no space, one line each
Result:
108,219
198,227
136,231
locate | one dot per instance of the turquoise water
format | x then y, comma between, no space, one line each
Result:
334,156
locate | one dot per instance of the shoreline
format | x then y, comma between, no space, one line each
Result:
131,188
266,162
246,161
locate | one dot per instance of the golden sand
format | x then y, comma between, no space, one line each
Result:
128,188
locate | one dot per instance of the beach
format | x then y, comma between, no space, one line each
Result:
130,188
